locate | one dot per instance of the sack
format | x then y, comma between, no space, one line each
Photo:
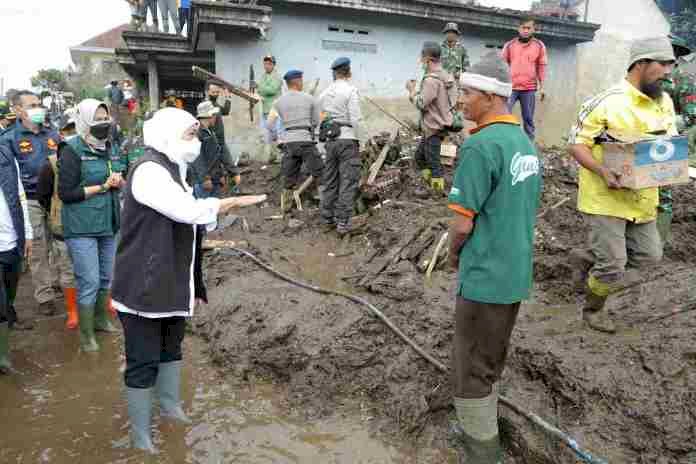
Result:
457,116
55,219
329,130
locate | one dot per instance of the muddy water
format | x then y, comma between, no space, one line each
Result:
66,407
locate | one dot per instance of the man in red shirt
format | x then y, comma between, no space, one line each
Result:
526,57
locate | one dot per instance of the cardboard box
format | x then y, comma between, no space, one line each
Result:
649,163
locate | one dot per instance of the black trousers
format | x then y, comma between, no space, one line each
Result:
10,268
150,342
428,154
481,342
341,180
294,155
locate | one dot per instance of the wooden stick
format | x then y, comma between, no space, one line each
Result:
400,122
315,87
377,165
202,74
296,194
557,205
673,313
433,261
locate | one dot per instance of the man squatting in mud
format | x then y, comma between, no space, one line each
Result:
494,197
299,112
623,226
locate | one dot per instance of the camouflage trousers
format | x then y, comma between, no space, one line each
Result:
49,259
691,134
341,178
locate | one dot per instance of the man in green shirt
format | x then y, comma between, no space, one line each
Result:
270,87
494,197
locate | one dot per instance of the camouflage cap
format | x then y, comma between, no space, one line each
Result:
680,46
451,27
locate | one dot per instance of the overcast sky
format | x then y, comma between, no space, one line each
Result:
39,33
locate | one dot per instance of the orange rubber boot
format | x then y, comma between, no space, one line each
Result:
110,307
71,308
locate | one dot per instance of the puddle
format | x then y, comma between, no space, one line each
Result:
64,407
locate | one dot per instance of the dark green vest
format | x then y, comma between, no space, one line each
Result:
98,216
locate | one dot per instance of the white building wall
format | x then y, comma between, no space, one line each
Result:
604,62
385,55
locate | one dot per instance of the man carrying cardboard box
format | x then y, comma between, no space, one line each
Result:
623,228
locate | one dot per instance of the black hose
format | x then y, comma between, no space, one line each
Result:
565,438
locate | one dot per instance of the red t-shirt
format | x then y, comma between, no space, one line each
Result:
527,63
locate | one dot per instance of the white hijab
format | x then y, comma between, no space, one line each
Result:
84,120
164,131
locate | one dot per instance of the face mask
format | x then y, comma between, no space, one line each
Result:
37,115
100,131
213,98
69,137
525,39
188,150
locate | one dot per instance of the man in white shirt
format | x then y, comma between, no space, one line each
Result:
340,108
15,244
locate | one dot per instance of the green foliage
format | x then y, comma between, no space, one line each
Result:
53,79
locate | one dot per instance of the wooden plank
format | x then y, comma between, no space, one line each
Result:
448,150
215,244
377,165
202,74
393,254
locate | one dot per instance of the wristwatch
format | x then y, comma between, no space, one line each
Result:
103,188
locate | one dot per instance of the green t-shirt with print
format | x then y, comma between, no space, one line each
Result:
499,178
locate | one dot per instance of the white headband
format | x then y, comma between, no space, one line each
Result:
486,84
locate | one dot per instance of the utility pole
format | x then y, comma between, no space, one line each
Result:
587,8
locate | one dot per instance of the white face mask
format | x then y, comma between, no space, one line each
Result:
70,137
187,150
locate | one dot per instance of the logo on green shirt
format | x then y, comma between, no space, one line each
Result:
523,166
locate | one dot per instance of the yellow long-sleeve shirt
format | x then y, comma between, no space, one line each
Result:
621,109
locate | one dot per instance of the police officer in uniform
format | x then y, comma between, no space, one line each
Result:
299,112
31,142
340,108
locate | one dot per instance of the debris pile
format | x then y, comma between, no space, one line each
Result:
628,397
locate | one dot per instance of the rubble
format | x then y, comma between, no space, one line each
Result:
627,398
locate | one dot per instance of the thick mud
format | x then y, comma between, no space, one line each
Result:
67,407
629,397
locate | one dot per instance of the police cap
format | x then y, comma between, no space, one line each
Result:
340,63
292,74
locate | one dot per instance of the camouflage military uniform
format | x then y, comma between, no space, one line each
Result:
681,87
454,59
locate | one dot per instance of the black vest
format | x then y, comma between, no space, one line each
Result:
9,184
152,272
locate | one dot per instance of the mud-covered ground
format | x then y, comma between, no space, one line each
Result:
630,398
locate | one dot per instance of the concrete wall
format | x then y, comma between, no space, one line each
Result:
384,56
603,62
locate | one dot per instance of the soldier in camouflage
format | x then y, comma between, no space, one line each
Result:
681,87
454,58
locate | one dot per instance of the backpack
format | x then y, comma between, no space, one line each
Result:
55,221
452,94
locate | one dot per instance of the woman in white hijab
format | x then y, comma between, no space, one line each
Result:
90,215
158,279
